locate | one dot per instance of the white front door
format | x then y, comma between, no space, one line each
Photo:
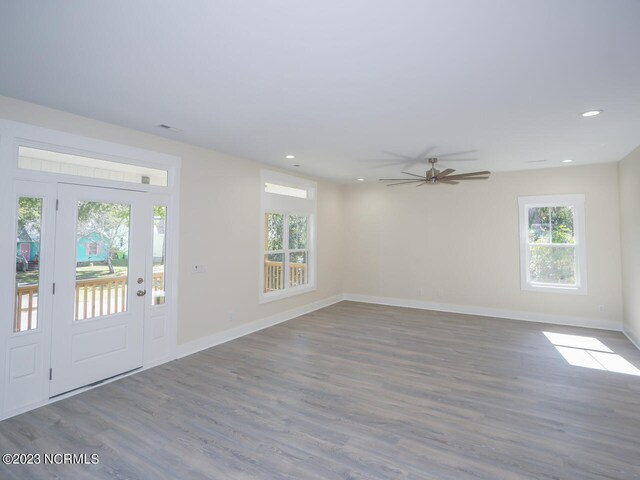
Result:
100,286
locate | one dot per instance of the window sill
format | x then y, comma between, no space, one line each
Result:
578,290
289,292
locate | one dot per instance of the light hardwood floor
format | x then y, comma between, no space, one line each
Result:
354,391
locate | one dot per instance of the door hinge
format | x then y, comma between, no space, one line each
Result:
50,373
54,288
57,203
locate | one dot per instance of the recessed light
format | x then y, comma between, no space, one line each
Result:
290,157
591,113
297,165
361,179
568,160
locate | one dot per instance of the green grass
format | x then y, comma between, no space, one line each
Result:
27,278
100,271
97,270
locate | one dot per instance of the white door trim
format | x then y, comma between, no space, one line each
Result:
13,134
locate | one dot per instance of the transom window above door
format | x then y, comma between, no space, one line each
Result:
41,160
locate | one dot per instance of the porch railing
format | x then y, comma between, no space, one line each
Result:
26,307
94,297
274,278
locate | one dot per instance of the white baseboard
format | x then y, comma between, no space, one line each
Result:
233,333
633,338
602,324
157,362
216,339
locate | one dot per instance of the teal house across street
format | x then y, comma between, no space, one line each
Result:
26,246
92,248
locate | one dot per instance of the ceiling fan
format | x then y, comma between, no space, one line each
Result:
407,162
434,176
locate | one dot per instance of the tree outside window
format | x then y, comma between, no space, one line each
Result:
552,243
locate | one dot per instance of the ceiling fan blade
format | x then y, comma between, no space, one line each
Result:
454,154
398,155
422,183
413,174
426,151
473,178
447,160
444,173
397,179
418,157
403,183
386,164
448,182
470,174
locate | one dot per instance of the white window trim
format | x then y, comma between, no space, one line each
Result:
577,202
274,203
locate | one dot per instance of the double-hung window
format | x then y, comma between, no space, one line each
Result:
287,261
552,244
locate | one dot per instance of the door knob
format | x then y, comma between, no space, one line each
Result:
141,293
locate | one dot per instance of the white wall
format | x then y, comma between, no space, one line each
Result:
221,228
459,245
220,225
448,245
629,175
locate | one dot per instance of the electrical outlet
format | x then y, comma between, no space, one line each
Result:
198,268
439,293
601,308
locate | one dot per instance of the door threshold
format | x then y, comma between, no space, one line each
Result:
95,384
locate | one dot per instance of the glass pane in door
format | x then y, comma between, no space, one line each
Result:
102,259
27,263
159,296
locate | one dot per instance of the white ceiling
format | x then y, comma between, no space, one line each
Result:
338,83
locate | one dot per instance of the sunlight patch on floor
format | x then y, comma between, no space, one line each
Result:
589,352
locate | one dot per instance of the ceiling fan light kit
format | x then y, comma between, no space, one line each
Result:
433,176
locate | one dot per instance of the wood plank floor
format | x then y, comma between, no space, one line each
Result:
354,391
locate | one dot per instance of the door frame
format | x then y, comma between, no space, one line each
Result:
160,322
